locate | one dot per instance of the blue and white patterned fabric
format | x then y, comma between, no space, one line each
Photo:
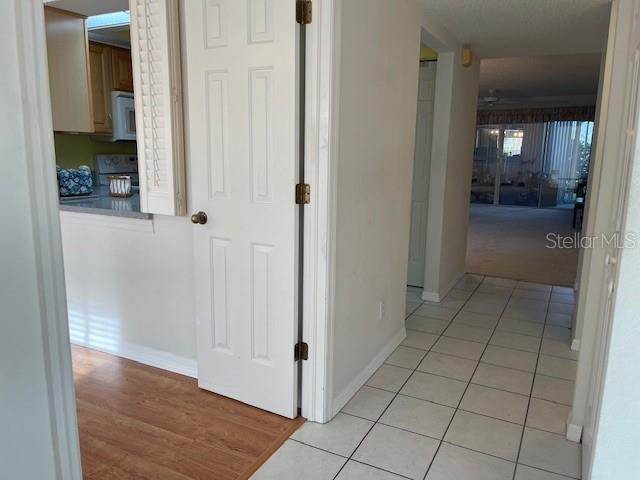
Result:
74,181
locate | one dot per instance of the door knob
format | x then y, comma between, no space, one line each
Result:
199,218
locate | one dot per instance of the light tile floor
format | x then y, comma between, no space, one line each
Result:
480,389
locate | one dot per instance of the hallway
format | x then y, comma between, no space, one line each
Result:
480,389
511,242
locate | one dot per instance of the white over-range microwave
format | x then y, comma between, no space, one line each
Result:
123,116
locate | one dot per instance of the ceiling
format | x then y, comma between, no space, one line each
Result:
494,28
119,36
509,28
549,81
90,7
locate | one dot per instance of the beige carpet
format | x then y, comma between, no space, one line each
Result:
511,242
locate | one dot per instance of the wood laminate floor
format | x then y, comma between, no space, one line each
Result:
139,422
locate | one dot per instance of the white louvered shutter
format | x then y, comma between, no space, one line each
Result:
155,51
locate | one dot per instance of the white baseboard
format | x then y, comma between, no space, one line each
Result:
149,356
574,433
431,296
351,389
438,296
575,345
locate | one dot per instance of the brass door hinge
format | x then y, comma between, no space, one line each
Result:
301,351
303,12
303,193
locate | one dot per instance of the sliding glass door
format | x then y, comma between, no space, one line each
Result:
566,163
488,151
532,164
521,165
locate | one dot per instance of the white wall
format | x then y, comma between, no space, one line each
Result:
454,134
378,79
130,287
38,434
380,48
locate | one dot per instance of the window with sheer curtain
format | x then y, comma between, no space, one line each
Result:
533,164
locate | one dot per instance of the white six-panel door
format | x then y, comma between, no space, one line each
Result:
240,78
421,167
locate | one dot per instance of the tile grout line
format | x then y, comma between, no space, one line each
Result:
469,382
462,410
414,310
483,343
413,370
561,475
543,324
533,382
473,383
493,330
347,459
472,375
377,421
426,436
430,349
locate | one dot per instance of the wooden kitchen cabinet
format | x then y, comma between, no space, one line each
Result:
69,78
122,69
100,64
82,74
111,69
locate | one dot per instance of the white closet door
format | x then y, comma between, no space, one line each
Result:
421,168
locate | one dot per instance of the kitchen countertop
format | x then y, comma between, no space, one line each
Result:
100,203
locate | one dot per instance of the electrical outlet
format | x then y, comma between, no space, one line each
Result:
381,310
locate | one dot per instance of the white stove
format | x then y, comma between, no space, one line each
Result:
107,165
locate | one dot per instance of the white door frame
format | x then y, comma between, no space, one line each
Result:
610,212
321,140
604,200
320,145
36,102
321,135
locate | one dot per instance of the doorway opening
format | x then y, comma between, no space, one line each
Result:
410,387
531,163
130,269
422,167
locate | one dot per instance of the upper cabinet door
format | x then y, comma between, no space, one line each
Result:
69,82
101,85
122,70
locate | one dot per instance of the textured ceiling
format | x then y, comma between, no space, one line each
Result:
553,80
494,28
509,28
